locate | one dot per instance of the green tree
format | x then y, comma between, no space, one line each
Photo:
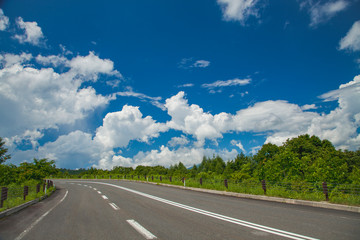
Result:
37,170
3,151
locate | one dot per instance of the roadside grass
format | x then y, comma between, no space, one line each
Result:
15,196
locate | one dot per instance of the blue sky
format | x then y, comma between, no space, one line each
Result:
157,82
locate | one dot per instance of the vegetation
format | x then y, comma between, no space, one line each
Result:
296,169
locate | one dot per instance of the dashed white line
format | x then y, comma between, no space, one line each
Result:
95,189
98,192
140,229
259,227
104,197
114,206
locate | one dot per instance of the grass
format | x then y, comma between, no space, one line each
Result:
301,191
15,196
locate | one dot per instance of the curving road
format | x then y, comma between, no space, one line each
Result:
129,210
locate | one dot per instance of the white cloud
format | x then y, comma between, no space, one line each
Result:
178,141
239,10
227,83
193,120
186,85
187,63
201,64
4,21
323,11
238,144
128,124
32,32
91,66
153,100
352,39
40,98
188,156
308,107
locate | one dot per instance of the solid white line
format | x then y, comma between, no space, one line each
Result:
114,206
104,197
143,231
39,219
218,216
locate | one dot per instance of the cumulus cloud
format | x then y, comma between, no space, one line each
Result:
191,119
178,141
4,21
239,10
128,124
32,32
352,39
322,11
40,98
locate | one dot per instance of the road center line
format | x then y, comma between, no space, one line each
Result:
143,231
114,206
104,197
259,227
98,192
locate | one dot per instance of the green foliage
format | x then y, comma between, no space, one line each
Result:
36,171
3,151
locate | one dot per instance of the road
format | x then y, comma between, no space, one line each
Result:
115,209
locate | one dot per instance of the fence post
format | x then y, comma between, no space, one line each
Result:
160,179
325,191
226,183
263,183
152,178
37,188
26,191
200,181
170,178
4,191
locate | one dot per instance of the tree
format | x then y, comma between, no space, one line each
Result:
38,170
3,151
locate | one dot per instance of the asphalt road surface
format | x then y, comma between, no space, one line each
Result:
129,210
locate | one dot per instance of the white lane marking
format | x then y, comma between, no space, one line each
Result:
39,219
99,192
143,231
217,216
95,189
104,197
85,185
114,206
90,186
79,184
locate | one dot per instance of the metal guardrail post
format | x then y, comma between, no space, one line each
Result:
263,183
4,193
325,191
26,191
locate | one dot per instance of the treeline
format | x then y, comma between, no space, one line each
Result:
35,171
302,159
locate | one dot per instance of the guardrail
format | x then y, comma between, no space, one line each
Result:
15,195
